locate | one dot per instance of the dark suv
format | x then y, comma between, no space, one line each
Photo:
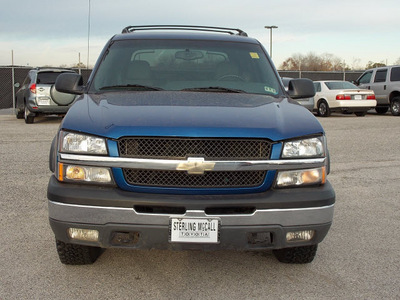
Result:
37,94
185,138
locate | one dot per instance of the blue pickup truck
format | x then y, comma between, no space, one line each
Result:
185,138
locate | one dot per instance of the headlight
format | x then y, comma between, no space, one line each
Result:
81,143
312,147
84,174
301,177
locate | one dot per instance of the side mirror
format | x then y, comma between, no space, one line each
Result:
70,83
17,85
301,88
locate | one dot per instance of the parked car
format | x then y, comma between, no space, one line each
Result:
342,96
306,102
385,82
186,139
38,96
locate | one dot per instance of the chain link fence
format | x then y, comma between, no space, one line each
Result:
320,75
7,74
19,74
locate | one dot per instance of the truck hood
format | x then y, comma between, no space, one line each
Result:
190,114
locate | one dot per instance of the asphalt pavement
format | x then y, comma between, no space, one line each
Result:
359,259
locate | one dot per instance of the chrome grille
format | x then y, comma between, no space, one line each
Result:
181,148
184,180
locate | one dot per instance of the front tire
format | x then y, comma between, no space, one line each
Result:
296,255
323,109
395,106
72,254
28,119
19,113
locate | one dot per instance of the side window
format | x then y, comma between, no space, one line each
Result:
317,87
395,74
380,75
365,78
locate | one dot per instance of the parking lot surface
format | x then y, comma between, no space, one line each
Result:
359,259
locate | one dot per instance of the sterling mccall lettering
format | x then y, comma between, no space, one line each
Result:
194,226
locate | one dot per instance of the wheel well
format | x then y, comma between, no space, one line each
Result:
394,94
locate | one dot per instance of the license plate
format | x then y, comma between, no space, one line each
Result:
43,101
194,230
357,97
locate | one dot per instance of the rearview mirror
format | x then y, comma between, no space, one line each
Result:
188,55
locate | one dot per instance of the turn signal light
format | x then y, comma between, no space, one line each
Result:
371,97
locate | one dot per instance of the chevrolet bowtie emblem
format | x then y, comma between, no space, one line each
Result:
195,165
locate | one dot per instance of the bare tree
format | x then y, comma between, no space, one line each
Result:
313,62
372,64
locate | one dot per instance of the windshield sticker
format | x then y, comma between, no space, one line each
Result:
270,90
254,55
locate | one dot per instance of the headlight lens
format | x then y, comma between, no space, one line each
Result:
312,147
84,173
81,143
301,177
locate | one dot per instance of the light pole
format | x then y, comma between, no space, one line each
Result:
88,38
270,38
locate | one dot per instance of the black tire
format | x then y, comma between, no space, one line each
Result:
296,255
360,113
28,119
71,254
19,113
381,110
395,106
323,109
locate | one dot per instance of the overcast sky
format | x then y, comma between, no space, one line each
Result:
54,32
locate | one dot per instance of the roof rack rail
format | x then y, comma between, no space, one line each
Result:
130,29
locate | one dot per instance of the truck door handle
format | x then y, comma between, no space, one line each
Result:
384,87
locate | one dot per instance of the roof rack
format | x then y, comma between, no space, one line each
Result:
130,29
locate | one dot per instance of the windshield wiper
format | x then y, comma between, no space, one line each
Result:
131,86
216,89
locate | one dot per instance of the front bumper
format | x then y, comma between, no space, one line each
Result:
249,221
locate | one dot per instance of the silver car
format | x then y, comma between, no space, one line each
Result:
37,94
306,102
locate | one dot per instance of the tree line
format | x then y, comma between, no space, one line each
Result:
324,62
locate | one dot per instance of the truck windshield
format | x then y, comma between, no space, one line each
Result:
189,65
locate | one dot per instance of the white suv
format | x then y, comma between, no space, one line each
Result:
385,82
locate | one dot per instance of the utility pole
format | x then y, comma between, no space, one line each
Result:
88,38
270,37
13,78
